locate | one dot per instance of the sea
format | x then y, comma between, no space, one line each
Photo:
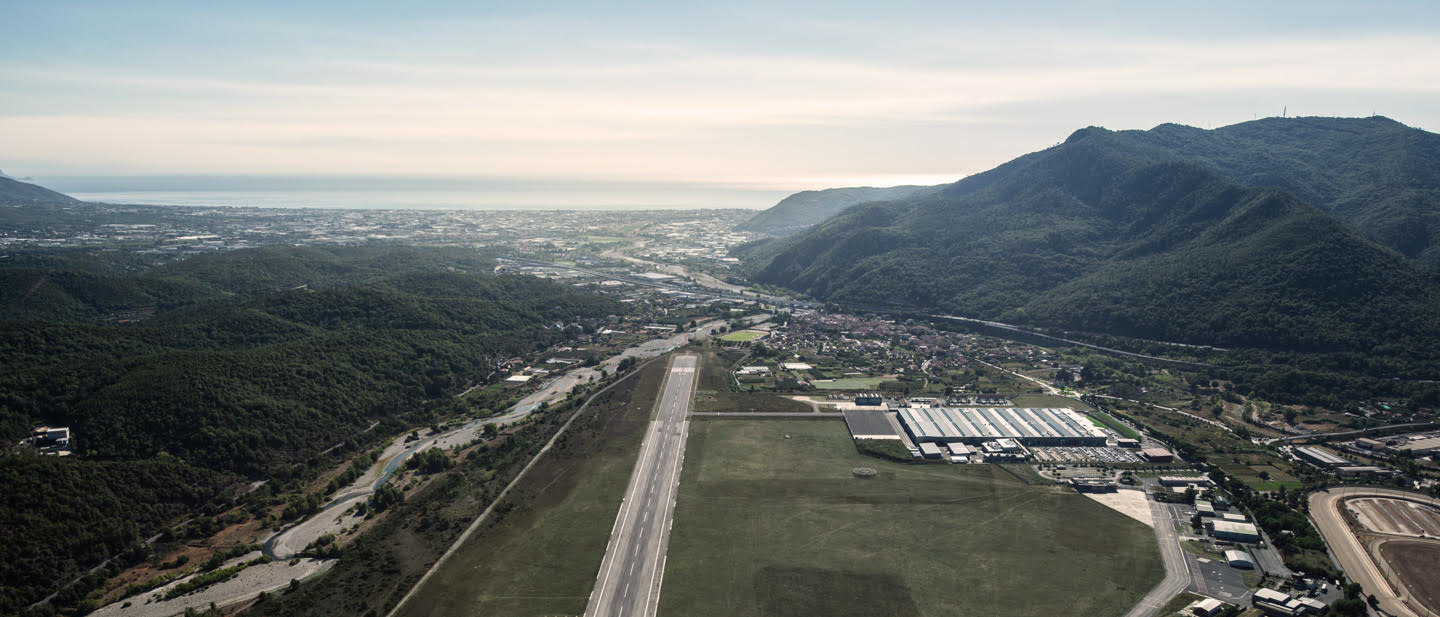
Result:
413,193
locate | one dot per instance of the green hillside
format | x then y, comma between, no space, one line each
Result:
1378,175
1114,234
806,208
230,379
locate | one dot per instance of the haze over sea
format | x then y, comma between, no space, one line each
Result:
414,193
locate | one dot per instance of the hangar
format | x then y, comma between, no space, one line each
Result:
974,425
1236,532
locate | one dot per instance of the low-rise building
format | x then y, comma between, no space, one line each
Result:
1208,607
1321,457
1157,455
1235,532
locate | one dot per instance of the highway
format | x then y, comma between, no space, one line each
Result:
628,584
1177,568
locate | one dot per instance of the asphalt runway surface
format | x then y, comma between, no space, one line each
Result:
1177,567
630,575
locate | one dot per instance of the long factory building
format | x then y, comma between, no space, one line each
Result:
973,425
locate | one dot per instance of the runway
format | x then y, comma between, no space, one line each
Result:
630,575
1177,568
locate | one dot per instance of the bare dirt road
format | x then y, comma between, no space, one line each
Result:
1349,550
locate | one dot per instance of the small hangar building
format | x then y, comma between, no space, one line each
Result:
1236,532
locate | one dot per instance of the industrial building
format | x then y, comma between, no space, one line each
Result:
1321,457
929,450
1424,446
1157,455
1369,444
869,399
1239,559
1280,604
959,452
1235,532
976,425
870,424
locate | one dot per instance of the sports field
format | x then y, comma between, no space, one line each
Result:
766,525
852,383
742,336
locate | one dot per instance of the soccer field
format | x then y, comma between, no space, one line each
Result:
771,526
852,383
742,336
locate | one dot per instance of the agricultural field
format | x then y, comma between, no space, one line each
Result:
777,526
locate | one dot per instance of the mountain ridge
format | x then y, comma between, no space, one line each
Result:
1110,233
807,208
16,193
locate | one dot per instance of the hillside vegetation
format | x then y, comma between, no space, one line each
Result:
807,208
1110,233
232,379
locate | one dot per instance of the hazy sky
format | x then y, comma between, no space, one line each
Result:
766,93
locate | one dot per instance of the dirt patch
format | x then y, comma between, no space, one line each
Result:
1417,564
1396,516
1130,503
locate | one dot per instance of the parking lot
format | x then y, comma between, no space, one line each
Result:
1085,454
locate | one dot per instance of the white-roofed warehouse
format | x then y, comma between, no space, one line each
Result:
973,425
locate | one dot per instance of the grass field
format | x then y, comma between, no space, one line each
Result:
1107,420
742,336
852,383
542,556
771,526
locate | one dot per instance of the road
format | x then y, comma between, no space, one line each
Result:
630,575
1177,568
1415,426
1049,389
1353,558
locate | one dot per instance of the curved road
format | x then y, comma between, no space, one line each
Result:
1353,558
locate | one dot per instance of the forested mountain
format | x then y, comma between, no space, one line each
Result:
66,286
253,363
16,193
1380,176
1114,234
806,208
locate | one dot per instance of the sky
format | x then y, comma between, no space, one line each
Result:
763,94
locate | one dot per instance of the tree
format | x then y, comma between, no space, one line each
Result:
489,430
